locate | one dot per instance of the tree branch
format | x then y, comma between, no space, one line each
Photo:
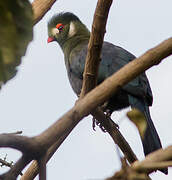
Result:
22,143
32,171
95,45
5,163
42,168
14,133
160,157
139,170
16,169
40,8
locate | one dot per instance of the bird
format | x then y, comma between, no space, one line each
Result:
72,35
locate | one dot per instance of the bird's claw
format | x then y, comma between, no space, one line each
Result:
96,122
99,124
108,113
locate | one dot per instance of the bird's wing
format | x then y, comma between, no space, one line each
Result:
114,58
77,60
75,63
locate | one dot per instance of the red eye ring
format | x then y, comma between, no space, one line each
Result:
59,26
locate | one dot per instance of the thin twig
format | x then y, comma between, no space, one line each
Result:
5,163
14,133
15,170
22,143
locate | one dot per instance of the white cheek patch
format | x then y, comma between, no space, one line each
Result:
55,31
72,30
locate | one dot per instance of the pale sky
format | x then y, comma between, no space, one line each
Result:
41,93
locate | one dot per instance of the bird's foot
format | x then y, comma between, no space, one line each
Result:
108,113
96,122
108,118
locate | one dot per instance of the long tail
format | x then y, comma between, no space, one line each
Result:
151,141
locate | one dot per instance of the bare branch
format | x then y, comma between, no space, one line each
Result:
139,170
161,157
5,163
42,168
40,8
14,133
16,169
153,166
32,171
95,46
22,143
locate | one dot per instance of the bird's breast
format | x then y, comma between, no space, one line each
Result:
75,81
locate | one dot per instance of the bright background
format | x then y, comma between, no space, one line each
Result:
40,93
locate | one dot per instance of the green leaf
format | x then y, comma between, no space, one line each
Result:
15,33
138,118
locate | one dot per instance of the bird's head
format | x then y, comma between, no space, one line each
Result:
64,26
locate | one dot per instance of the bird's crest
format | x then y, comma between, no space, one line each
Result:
65,17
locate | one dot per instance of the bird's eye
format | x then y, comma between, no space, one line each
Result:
60,27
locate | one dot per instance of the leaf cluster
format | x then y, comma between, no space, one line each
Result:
15,34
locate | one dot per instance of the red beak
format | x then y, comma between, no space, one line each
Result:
50,39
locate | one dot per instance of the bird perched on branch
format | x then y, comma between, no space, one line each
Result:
73,36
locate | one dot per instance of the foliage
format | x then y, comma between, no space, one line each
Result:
15,34
138,118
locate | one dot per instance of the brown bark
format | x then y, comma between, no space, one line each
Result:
139,170
32,171
40,8
161,158
95,45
